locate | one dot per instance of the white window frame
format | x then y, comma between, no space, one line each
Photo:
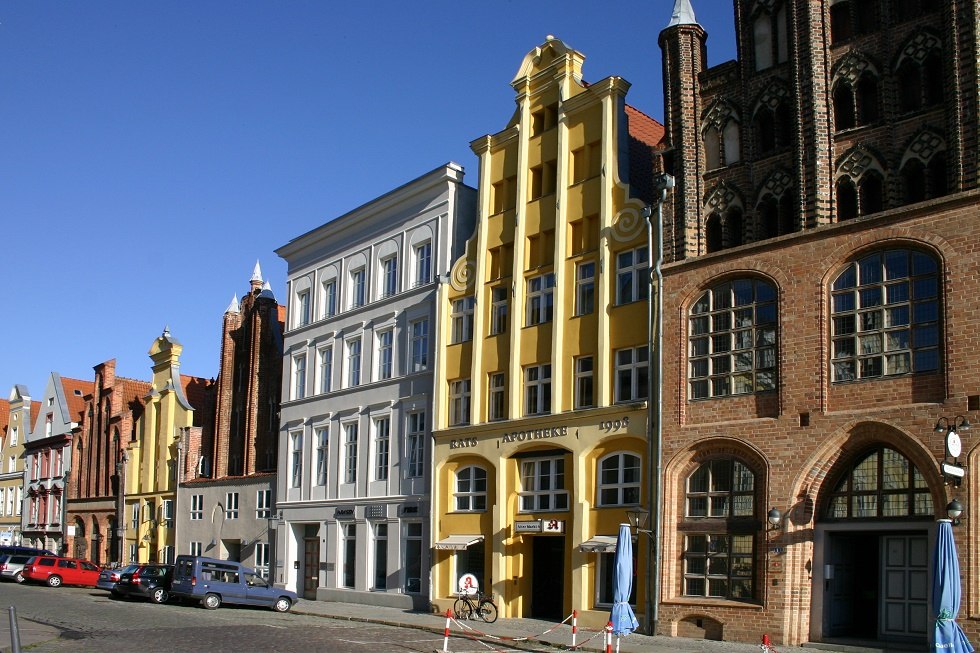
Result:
299,376
471,489
543,485
358,287
420,344
195,548
540,299
350,452
585,288
497,397
619,485
262,559
303,307
296,459
263,504
581,375
382,447
632,275
423,263
537,389
415,444
324,369
348,571
353,347
322,454
386,354
498,310
389,276
197,507
459,402
636,366
329,293
461,319
231,505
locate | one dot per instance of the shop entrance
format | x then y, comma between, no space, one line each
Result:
311,562
547,577
876,586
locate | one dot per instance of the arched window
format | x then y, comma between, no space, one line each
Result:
871,192
722,148
732,340
732,142
776,216
712,149
773,128
619,480
847,204
719,540
920,74
471,489
843,107
885,316
914,181
867,99
734,226
850,18
770,36
882,484
713,234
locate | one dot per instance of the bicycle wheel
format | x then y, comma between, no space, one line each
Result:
488,611
462,609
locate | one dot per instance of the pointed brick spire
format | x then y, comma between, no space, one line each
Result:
233,306
256,280
683,14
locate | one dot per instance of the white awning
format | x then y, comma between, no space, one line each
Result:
599,544
458,542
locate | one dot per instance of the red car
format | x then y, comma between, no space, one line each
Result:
57,571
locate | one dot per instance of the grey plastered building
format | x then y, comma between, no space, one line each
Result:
356,412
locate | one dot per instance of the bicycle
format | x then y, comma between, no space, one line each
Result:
481,605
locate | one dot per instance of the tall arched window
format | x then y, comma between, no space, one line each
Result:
619,480
719,526
732,340
770,35
712,233
882,484
885,316
471,489
920,73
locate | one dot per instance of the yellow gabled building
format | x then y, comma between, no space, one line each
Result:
150,482
540,431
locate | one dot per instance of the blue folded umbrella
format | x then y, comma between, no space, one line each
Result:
623,620
946,591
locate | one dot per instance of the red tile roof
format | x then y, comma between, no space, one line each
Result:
4,416
133,391
646,135
644,128
282,313
197,390
35,411
76,401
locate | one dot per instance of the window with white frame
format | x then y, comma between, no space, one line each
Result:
605,572
584,382
357,288
461,318
262,559
497,408
416,444
632,275
631,374
168,511
380,556
543,485
303,307
263,503
350,452
329,294
413,557
420,344
3,500
231,505
619,479
885,316
11,464
585,288
348,534
385,354
471,489
133,553
324,369
353,362
537,389
732,347
296,459
540,299
299,376
389,276
498,310
423,263
55,509
322,453
168,554
13,436
134,516
459,402
382,447
196,548
20,501
197,507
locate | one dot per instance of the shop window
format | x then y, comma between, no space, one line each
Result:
471,489
882,484
543,485
732,340
885,316
619,480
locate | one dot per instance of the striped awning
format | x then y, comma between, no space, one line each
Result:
599,544
458,542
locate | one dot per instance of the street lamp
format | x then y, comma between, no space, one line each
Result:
655,311
953,510
774,517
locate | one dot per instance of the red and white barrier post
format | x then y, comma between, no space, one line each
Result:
574,626
609,637
445,640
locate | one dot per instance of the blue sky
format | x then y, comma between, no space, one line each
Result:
151,152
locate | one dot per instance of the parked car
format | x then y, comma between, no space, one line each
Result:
147,581
213,582
108,578
12,566
26,550
57,571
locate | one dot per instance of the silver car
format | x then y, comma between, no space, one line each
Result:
12,566
109,577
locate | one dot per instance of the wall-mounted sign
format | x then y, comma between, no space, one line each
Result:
343,513
375,512
527,526
552,525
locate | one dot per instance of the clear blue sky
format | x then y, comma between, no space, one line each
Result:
151,152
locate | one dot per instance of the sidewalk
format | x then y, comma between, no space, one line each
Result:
525,634
31,632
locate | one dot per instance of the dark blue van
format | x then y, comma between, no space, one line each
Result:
213,582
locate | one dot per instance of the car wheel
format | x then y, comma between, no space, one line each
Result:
159,595
212,602
282,604
19,577
54,581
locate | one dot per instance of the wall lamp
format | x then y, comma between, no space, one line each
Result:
958,423
775,518
953,510
638,520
